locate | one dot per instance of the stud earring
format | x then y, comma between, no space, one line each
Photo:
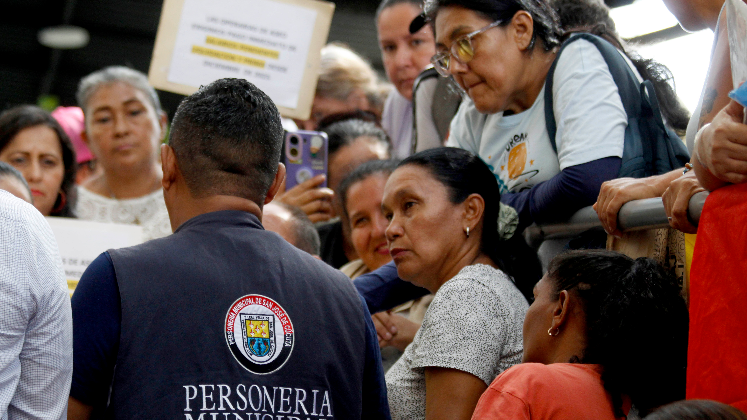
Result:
466,230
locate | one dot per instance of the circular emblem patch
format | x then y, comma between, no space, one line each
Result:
259,333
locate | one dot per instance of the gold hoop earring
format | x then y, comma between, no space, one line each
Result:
549,332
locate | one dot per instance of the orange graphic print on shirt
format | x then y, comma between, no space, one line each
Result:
517,160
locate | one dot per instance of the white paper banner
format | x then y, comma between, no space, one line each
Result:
80,242
262,41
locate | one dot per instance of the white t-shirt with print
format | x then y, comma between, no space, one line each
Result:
589,115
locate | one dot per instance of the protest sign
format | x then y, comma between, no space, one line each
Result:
275,44
80,242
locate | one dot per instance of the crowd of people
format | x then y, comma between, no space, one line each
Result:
403,288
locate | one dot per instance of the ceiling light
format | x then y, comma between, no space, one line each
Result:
63,37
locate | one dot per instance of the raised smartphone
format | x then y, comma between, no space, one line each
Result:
305,156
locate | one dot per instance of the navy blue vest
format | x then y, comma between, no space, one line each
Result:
224,320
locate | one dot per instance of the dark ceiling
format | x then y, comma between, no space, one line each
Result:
122,32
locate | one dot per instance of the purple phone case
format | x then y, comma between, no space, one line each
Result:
304,158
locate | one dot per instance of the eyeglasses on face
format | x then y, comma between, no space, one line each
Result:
462,50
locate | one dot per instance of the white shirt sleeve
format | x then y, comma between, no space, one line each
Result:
590,117
36,357
466,128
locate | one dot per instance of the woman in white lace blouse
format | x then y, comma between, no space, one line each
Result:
443,207
124,128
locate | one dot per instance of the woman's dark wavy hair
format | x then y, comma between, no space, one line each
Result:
546,26
636,324
593,16
14,120
697,410
463,174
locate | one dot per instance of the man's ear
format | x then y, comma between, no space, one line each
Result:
169,166
163,122
276,183
474,208
523,29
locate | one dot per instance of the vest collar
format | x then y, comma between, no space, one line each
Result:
228,217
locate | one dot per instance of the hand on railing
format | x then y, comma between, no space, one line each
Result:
676,201
634,215
616,192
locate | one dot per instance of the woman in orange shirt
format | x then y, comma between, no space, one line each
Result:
617,334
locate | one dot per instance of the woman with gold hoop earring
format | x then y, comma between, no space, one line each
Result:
33,142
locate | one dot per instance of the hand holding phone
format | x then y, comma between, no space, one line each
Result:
305,158
314,200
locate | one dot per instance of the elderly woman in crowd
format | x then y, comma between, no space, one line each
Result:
346,83
33,142
603,331
361,194
404,56
124,128
442,205
500,52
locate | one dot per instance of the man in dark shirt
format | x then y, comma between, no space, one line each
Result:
222,319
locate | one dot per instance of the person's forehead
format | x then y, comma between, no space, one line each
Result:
366,193
453,22
38,139
394,21
116,94
410,179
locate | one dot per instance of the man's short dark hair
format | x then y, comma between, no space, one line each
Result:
307,238
227,139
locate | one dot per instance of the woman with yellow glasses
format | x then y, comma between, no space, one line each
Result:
500,53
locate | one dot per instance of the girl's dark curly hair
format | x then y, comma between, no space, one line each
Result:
636,324
697,410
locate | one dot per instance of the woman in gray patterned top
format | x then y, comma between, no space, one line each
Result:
443,209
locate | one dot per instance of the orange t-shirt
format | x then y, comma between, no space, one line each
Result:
556,391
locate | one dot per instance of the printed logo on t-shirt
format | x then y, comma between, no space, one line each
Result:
515,162
259,334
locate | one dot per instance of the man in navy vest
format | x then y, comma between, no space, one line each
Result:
222,319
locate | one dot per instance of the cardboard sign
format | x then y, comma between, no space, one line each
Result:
80,242
275,44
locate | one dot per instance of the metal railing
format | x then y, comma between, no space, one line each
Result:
635,215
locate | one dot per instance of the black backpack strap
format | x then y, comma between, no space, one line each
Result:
625,79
